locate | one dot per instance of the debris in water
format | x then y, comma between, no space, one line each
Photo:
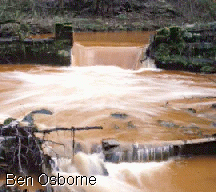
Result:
168,124
29,118
192,110
116,127
119,115
213,106
20,149
108,144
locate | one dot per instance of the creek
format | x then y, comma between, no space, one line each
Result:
106,77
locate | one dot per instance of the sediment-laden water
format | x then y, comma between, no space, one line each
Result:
86,95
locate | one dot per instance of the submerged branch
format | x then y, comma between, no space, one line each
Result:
53,142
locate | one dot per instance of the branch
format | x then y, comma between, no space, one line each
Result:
53,129
43,140
67,129
19,160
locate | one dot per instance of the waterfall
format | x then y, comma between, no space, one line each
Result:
148,63
141,153
123,49
122,177
124,57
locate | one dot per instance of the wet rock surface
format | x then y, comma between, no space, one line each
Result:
108,144
29,117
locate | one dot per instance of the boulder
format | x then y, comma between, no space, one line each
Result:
108,144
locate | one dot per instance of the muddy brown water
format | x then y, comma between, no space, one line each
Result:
89,91
123,49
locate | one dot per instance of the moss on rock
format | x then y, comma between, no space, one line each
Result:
178,48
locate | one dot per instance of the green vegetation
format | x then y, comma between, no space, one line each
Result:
192,49
8,120
23,18
105,15
17,46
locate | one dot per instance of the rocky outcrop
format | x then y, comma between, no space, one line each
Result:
191,48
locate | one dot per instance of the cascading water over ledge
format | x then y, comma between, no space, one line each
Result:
108,49
114,152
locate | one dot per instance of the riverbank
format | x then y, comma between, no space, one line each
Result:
41,17
105,15
189,48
